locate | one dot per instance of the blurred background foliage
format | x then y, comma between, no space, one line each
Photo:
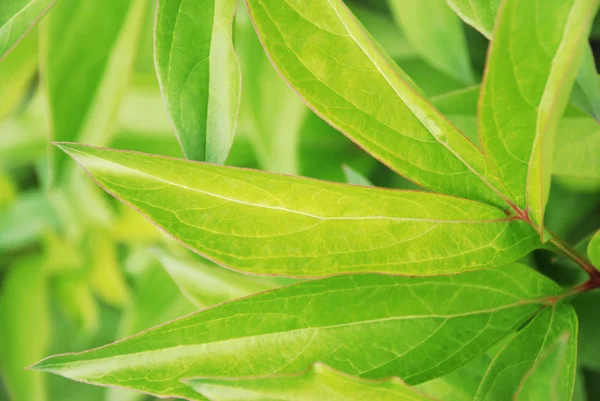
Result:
78,269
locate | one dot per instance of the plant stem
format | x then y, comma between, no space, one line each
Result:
572,254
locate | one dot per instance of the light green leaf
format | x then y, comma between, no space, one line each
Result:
586,92
17,17
450,319
75,296
531,68
271,113
480,14
593,249
234,216
320,382
24,319
84,87
18,70
205,284
436,33
199,74
356,178
331,61
523,364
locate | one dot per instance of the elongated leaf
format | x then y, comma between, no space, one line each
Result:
205,284
17,17
531,68
320,382
25,328
435,31
511,371
199,74
339,321
327,56
270,224
271,113
593,249
84,87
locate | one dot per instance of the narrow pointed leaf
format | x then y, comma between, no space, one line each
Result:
320,382
429,326
593,249
526,355
436,33
264,223
17,17
205,284
531,68
84,87
331,61
199,74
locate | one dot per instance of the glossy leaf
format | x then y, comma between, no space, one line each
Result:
199,74
320,382
205,284
436,33
331,61
593,249
523,361
531,68
23,307
84,88
285,330
235,217
17,17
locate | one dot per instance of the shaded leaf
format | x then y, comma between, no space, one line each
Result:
17,17
235,216
586,92
199,74
354,177
20,66
320,382
593,249
436,33
285,330
525,364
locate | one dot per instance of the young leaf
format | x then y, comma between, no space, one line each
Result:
331,61
205,284
435,31
24,319
354,177
593,249
199,74
85,77
512,371
264,223
17,17
320,382
338,321
531,68
586,92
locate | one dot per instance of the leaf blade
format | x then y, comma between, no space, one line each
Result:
237,222
17,18
200,84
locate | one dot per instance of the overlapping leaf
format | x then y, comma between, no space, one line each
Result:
350,323
531,68
593,249
328,57
199,74
270,224
521,369
17,17
318,383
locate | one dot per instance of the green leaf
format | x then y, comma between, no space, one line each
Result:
199,74
17,17
531,68
338,321
234,216
271,114
356,178
84,87
586,306
24,318
523,365
586,92
593,249
19,68
480,14
331,61
436,33
320,382
205,284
